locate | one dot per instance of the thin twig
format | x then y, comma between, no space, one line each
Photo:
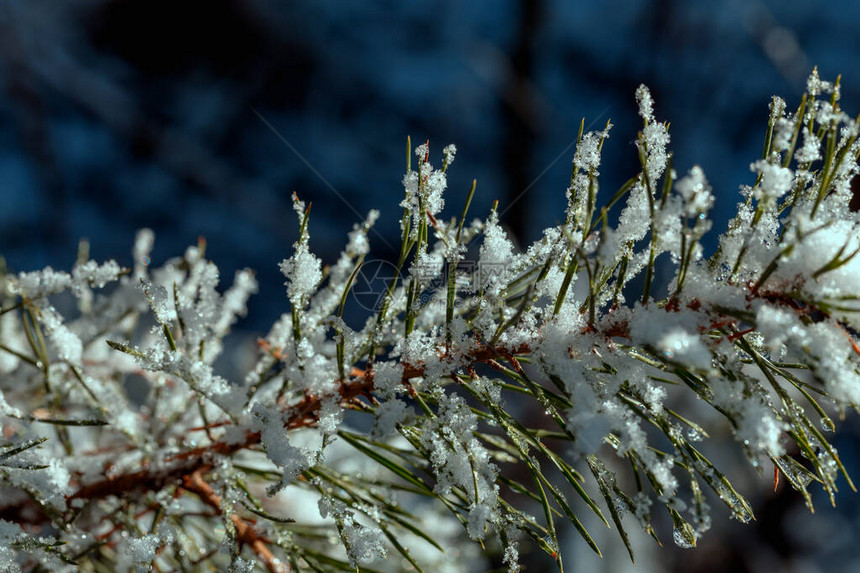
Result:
245,533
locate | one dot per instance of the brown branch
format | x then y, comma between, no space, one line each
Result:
245,533
151,478
175,467
186,469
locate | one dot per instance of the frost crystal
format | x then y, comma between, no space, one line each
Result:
387,378
816,86
696,192
811,150
655,136
450,151
304,272
496,255
775,182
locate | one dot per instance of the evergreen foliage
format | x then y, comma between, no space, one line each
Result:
500,397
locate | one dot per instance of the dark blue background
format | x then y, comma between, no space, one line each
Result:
120,114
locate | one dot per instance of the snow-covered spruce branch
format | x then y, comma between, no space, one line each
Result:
501,395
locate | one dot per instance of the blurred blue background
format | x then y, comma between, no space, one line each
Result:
201,118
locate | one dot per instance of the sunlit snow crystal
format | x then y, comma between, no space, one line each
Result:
775,182
675,334
696,191
304,272
811,149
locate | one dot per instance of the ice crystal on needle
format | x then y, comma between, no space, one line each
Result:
478,395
